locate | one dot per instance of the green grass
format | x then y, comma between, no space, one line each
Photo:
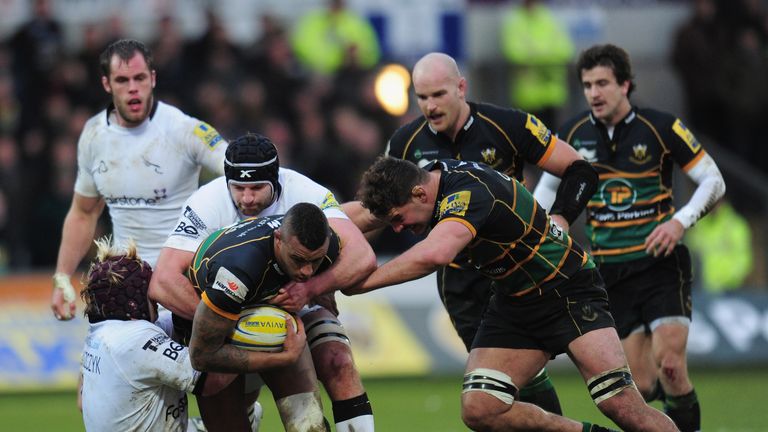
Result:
732,401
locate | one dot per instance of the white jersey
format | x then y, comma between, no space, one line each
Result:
146,173
135,378
212,208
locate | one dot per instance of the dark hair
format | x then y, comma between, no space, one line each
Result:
116,285
125,49
252,158
388,184
308,224
610,56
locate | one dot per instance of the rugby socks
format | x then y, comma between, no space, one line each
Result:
353,415
685,411
657,394
541,393
589,427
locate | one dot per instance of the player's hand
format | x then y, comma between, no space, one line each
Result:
328,301
664,238
292,296
295,340
560,221
63,300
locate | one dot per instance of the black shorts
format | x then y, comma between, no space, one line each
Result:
645,290
465,294
550,321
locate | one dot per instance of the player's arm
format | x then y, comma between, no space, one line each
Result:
363,218
441,246
169,285
710,189
210,352
77,233
578,182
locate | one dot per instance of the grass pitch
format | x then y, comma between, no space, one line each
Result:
732,400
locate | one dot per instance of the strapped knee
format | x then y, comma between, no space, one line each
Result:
301,412
610,383
493,382
323,329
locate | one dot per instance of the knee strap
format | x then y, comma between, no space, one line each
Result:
321,330
610,383
495,383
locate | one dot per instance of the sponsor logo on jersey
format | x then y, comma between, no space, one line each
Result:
640,154
686,135
489,155
230,285
194,218
539,130
455,204
587,149
207,134
329,202
618,194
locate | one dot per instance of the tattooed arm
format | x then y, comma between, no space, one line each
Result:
210,352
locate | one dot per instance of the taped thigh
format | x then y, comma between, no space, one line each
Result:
493,382
610,383
324,329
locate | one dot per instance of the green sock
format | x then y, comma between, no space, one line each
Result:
685,411
541,393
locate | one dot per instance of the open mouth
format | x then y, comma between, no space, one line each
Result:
134,104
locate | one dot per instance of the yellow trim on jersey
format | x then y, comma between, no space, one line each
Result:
623,174
461,221
410,140
548,153
655,199
694,161
603,252
655,132
494,124
219,311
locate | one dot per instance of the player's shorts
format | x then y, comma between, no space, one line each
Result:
550,321
646,290
465,294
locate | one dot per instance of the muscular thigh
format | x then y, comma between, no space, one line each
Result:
548,321
298,377
645,291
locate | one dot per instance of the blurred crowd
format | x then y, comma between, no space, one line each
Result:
324,118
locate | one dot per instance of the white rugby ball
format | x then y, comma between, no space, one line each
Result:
261,328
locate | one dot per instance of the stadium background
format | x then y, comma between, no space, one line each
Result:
402,339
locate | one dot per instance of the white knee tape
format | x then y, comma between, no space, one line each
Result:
495,383
301,412
609,383
321,330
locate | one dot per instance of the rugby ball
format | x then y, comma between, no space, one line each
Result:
261,328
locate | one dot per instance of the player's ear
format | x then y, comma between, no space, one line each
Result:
419,193
105,84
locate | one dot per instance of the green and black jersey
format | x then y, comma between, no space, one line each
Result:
635,165
500,137
514,243
235,267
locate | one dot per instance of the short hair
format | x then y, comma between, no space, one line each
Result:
116,284
610,56
388,183
125,50
308,224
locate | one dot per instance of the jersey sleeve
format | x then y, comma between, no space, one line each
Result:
299,188
204,144
533,139
686,149
156,359
467,203
198,220
85,184
231,287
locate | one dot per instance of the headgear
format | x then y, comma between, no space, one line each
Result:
252,158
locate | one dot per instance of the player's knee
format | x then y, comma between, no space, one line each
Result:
301,412
477,409
333,361
608,385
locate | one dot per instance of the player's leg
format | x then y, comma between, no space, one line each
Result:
296,395
488,400
465,295
600,359
226,410
680,402
637,348
335,368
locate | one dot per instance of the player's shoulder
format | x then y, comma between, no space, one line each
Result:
405,134
658,118
579,120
